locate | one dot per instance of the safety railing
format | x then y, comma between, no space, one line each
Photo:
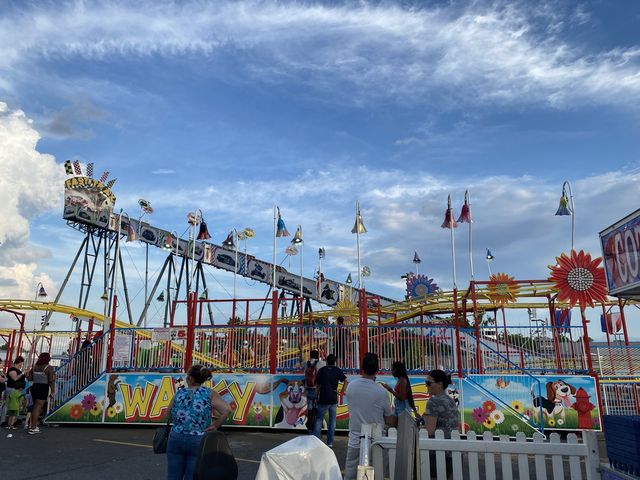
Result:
148,349
75,373
620,396
619,360
421,347
233,347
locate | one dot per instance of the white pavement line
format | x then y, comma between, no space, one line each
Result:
149,446
122,443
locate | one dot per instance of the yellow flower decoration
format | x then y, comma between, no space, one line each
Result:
502,288
96,410
111,412
517,406
551,422
489,423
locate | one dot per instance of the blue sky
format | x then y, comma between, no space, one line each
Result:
233,107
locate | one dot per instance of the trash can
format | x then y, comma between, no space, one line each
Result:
622,434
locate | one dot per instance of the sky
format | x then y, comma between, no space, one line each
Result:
233,107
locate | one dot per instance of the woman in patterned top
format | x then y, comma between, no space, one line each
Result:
441,412
192,411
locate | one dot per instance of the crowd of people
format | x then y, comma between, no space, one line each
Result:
16,399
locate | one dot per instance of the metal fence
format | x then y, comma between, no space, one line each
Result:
617,360
620,396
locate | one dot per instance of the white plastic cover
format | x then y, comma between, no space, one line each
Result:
303,458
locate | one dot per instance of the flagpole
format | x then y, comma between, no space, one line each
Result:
468,199
275,230
360,285
301,271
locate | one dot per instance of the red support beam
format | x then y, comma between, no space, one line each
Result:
457,324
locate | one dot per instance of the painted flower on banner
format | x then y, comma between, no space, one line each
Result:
497,416
502,288
96,410
479,415
76,410
517,406
579,279
111,412
515,427
560,422
118,407
88,401
551,422
489,423
488,406
463,427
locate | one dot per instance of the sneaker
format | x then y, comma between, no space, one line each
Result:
13,427
34,431
330,446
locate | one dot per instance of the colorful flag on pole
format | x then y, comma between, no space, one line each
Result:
76,167
104,177
90,169
563,320
111,182
68,168
611,323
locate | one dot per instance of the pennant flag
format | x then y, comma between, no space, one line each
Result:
465,214
68,169
563,319
90,169
611,320
104,177
111,182
358,226
416,258
76,167
449,221
203,234
282,229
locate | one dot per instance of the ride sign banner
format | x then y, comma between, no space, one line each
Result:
621,252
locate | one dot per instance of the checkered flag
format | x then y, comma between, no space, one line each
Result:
111,182
104,177
90,170
68,168
76,167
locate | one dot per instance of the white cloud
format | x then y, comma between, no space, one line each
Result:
497,53
163,171
30,184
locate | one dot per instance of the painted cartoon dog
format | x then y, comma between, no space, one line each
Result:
293,403
559,396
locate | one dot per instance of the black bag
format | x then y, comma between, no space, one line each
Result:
216,460
160,438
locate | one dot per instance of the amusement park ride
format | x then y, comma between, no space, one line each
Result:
464,331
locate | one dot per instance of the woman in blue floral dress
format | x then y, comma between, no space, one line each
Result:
192,412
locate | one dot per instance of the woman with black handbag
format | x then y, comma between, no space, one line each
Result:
192,412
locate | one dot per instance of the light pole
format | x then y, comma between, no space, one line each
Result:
146,209
297,240
41,293
358,228
232,243
465,217
349,282
194,219
567,207
489,258
279,230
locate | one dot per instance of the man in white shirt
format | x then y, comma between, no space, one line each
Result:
368,403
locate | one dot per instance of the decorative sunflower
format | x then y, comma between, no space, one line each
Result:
503,288
75,412
420,285
96,410
551,422
579,279
111,412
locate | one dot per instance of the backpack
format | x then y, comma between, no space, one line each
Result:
310,375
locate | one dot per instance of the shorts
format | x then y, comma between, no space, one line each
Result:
40,391
12,413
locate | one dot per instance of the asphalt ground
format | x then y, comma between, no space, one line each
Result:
119,453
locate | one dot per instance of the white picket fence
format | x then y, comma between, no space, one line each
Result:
478,457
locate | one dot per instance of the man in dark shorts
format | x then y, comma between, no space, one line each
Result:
327,382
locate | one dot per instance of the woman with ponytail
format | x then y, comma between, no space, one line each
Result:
192,411
402,394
